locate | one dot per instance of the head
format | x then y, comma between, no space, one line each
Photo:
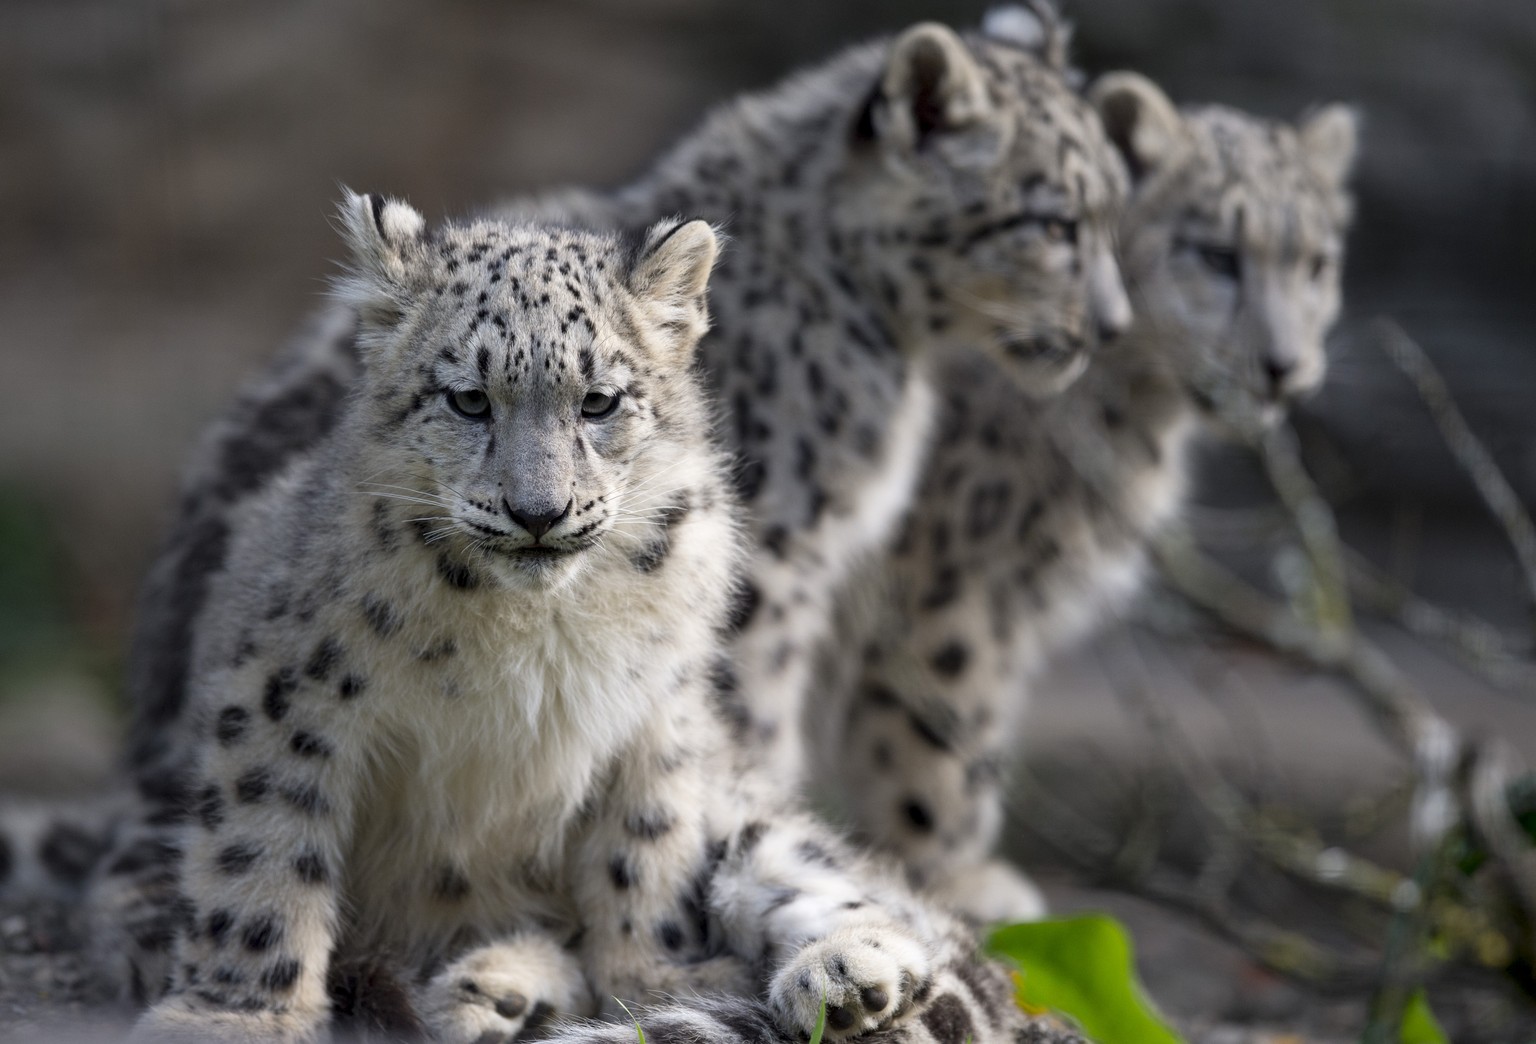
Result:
993,179
526,386
1233,242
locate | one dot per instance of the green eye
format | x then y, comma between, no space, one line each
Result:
599,404
472,403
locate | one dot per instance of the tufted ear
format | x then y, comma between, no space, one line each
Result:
671,275
380,234
1329,137
1140,120
1035,26
931,85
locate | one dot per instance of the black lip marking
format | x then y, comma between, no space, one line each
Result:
548,552
1046,349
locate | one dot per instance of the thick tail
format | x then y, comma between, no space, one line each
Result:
51,849
112,862
971,1003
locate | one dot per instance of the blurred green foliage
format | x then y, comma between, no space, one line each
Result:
1419,1025
1083,967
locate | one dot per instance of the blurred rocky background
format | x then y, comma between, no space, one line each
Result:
167,169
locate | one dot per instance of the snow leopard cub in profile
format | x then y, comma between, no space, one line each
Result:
1031,527
449,692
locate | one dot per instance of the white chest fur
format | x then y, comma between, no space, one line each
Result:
478,762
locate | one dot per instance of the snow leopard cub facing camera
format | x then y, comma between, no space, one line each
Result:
911,197
450,688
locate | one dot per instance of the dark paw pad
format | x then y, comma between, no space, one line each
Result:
511,1005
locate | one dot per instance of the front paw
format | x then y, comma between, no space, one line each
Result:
175,1021
867,976
499,993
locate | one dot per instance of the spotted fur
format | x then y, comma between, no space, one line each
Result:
909,198
1031,526
449,694
48,848
970,1002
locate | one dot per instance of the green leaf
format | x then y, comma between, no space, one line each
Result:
640,1032
821,1022
1082,967
1419,1025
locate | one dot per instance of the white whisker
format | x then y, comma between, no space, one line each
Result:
400,496
1000,313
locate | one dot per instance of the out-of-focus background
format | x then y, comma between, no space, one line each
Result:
167,169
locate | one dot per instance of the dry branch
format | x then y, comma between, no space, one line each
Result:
1465,446
1391,699
1449,783
1476,642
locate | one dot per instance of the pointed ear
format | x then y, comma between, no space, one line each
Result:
1140,120
1035,26
931,84
1329,137
671,275
381,234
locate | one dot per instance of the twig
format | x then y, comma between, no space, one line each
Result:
1479,644
1314,522
1496,826
1404,966
1303,857
1386,694
1235,527
1465,446
1319,628
1092,849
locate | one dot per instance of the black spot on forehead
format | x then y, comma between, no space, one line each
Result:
1043,161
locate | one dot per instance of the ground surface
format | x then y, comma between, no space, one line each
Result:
1296,737
47,994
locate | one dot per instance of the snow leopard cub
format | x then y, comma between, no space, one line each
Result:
449,691
1031,527
912,196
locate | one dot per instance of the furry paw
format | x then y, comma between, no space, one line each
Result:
499,993
990,892
868,976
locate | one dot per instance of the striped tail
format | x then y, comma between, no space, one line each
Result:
50,849
113,864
